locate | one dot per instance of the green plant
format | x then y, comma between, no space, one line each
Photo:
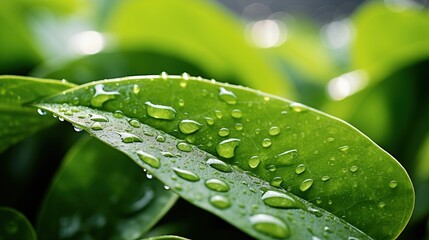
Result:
271,167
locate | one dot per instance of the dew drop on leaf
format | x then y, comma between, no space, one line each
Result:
118,114
287,158
96,126
218,114
227,96
136,88
381,204
298,107
41,112
149,159
271,168
187,175
149,176
354,168
223,132
306,184
279,200
300,169
226,148
184,147
77,129
164,75
393,184
269,225
185,76
273,131
98,118
236,113
238,126
129,137
254,161
217,185
343,148
134,122
181,102
101,96
325,178
220,202
209,120
266,142
219,165
160,111
276,181
160,138
189,126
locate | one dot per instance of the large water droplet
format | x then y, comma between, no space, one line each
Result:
184,147
218,165
393,184
149,159
227,96
129,137
160,111
226,148
273,131
298,107
223,132
98,118
217,185
236,113
101,96
280,200
269,225
134,122
306,184
300,169
220,202
189,126
187,175
266,142
254,161
287,158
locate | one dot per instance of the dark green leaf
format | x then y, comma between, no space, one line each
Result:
19,121
327,167
14,225
168,237
103,195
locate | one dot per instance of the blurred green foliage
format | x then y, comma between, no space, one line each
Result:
388,47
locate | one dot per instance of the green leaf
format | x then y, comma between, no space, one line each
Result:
167,237
17,120
102,195
14,225
327,167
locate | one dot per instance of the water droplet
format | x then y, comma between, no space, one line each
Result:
226,148
129,137
96,126
276,181
298,107
187,175
218,165
209,120
185,76
184,147
98,118
315,212
160,111
61,119
271,168
134,122
287,158
238,126
160,138
166,187
393,184
218,114
227,96
266,98
223,132
149,159
300,169
149,176
343,148
269,225
101,96
273,131
41,112
220,202
325,178
354,168
266,142
164,75
381,204
217,185
136,88
254,161
306,184
75,101
77,129
279,200
330,139
257,131
181,102
118,114
189,126
236,113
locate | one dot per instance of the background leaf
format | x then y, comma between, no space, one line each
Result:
14,225
102,195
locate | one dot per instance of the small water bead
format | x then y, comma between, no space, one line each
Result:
136,88
343,148
189,126
118,114
166,187
129,137
227,96
280,200
219,165
61,119
254,161
226,148
300,169
236,113
167,154
134,122
269,225
298,107
77,129
306,184
325,178
271,168
381,204
273,131
160,138
181,102
149,176
218,114
257,131
354,168
238,126
96,126
184,147
149,159
393,184
75,101
217,185
223,132
98,118
266,142
220,202
185,76
330,139
41,112
160,111
287,158
187,175
101,96
276,182
209,120
164,75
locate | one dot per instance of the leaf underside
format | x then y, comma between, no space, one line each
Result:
339,180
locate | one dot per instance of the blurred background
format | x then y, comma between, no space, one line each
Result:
363,61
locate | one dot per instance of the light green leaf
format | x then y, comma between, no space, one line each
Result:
328,168
17,120
167,237
102,195
14,225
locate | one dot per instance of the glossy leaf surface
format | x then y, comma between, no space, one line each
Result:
334,167
102,195
15,226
